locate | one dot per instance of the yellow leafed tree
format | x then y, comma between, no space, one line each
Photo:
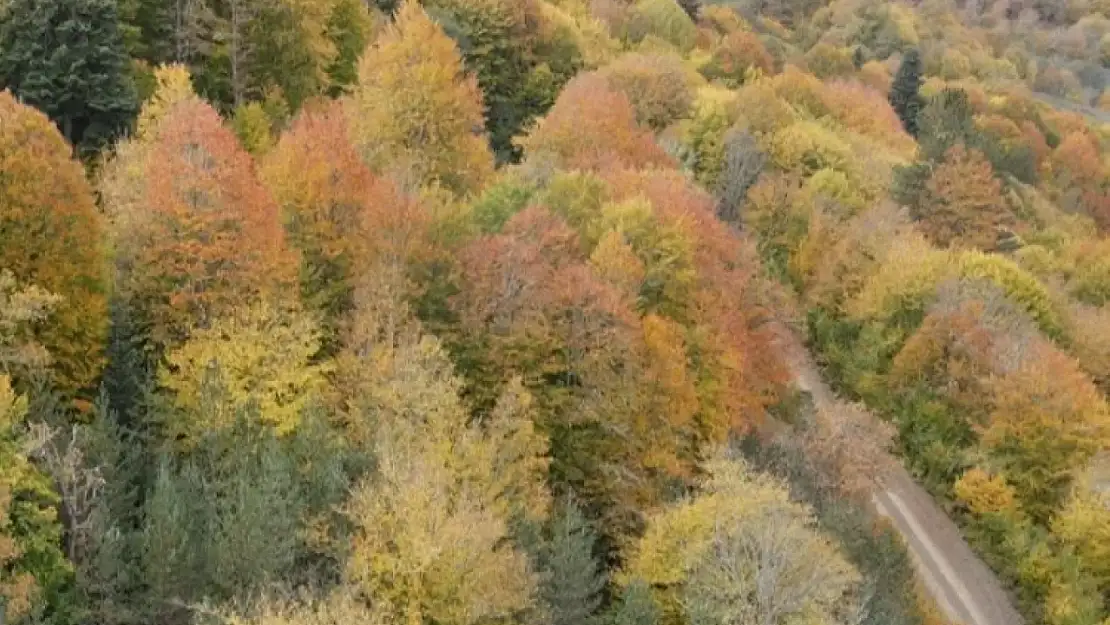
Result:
415,113
261,354
742,548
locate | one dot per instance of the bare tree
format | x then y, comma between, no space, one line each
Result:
79,485
744,163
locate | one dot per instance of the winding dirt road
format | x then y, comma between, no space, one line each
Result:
963,586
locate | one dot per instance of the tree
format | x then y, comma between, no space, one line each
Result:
905,91
521,62
964,205
742,552
259,355
636,606
744,163
738,58
348,29
50,236
32,564
415,113
944,122
197,236
290,49
573,579
591,126
67,59
656,86
340,216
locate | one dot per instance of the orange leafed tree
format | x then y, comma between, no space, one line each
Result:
207,237
50,237
591,127
340,216
965,207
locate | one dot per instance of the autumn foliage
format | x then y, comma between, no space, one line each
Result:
416,113
208,236
51,236
592,126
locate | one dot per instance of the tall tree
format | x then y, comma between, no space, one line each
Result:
348,29
415,113
520,63
573,579
905,92
50,236
204,237
340,216
66,58
964,206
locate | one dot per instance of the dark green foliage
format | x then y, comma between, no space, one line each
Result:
349,33
520,74
66,58
636,606
859,58
572,577
908,188
945,121
692,7
905,92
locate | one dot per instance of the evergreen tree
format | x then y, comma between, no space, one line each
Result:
944,122
67,58
692,7
858,57
905,92
349,31
573,579
636,606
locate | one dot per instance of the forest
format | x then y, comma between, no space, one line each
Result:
464,312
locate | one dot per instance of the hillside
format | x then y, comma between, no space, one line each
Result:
468,312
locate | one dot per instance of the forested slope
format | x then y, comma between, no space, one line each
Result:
456,311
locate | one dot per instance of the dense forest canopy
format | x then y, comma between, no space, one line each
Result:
464,312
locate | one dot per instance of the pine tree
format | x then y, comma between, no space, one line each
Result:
67,58
905,92
348,29
574,580
637,606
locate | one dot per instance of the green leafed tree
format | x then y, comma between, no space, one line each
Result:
67,58
905,92
573,579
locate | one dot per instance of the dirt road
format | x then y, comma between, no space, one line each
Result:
962,585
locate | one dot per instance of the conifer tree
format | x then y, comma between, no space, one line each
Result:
905,92
574,580
67,58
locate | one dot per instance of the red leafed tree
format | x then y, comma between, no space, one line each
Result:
591,127
342,218
208,237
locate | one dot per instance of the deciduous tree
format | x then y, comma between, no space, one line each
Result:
964,206
50,236
415,112
206,237
590,127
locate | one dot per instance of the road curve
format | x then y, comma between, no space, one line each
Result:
963,587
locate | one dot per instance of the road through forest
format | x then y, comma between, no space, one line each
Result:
963,586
